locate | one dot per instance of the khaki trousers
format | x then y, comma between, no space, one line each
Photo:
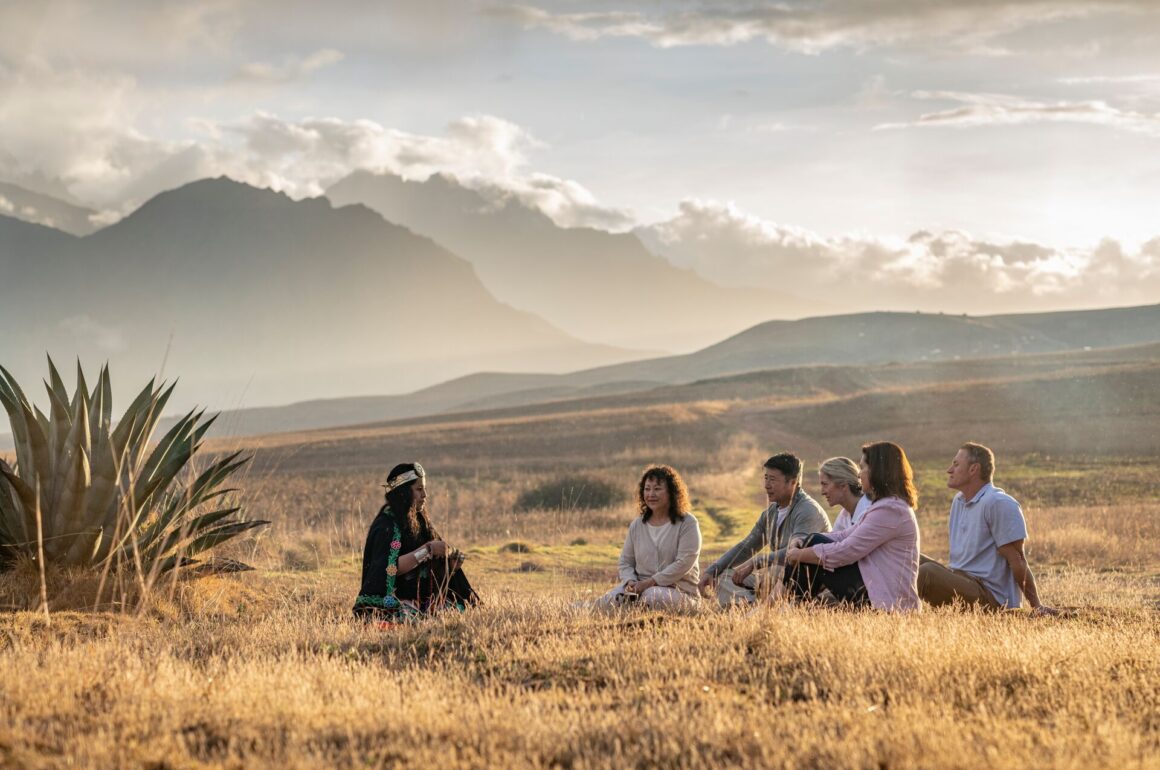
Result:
939,585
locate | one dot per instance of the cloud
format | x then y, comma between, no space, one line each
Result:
291,70
117,33
90,333
79,130
27,213
71,125
482,152
946,271
979,109
814,27
1150,78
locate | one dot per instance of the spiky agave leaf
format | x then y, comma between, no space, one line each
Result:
13,529
208,540
104,493
204,488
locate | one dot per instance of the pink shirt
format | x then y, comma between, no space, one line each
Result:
885,544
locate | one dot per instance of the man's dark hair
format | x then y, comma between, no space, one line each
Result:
789,464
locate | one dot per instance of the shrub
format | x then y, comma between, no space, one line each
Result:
90,492
571,493
516,547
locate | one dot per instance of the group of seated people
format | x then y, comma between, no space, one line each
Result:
870,557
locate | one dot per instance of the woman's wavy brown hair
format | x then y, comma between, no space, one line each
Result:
890,472
678,492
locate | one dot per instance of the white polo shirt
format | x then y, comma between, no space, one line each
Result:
978,527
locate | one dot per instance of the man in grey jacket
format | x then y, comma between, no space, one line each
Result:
791,514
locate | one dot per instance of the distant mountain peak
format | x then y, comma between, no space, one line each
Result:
42,209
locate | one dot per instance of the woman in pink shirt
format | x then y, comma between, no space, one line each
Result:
874,562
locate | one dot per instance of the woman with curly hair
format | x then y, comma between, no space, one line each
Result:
658,564
408,570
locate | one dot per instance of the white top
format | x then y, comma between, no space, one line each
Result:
845,519
656,533
666,554
781,514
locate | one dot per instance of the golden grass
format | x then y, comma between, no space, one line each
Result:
264,669
532,682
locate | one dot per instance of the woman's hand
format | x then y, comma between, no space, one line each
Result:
797,542
639,586
438,548
794,553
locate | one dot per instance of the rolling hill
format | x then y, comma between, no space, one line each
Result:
837,354
1077,405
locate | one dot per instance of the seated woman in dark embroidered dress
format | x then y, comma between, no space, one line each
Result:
408,570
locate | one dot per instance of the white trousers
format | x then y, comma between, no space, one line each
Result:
657,597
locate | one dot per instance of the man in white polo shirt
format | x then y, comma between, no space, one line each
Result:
987,530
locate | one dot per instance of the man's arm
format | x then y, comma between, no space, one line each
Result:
1017,559
801,524
751,544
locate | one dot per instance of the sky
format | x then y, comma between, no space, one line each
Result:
985,154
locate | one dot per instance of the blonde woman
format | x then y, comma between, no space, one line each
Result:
875,562
658,564
838,478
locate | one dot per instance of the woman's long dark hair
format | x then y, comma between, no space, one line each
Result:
678,493
890,472
401,501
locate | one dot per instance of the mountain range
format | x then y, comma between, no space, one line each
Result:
253,297
249,295
598,285
39,208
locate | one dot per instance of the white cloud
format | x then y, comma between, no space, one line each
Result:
116,33
979,109
813,27
290,70
75,130
948,270
482,152
80,129
1112,79
90,333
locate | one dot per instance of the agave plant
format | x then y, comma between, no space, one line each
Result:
90,491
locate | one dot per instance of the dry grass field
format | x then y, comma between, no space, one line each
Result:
265,670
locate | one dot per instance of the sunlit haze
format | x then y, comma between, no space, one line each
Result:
964,157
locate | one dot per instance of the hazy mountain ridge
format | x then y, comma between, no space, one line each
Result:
1079,404
722,376
30,206
227,283
592,283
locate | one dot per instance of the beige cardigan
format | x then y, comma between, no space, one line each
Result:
672,562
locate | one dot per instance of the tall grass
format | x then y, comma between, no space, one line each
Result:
527,682
265,669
